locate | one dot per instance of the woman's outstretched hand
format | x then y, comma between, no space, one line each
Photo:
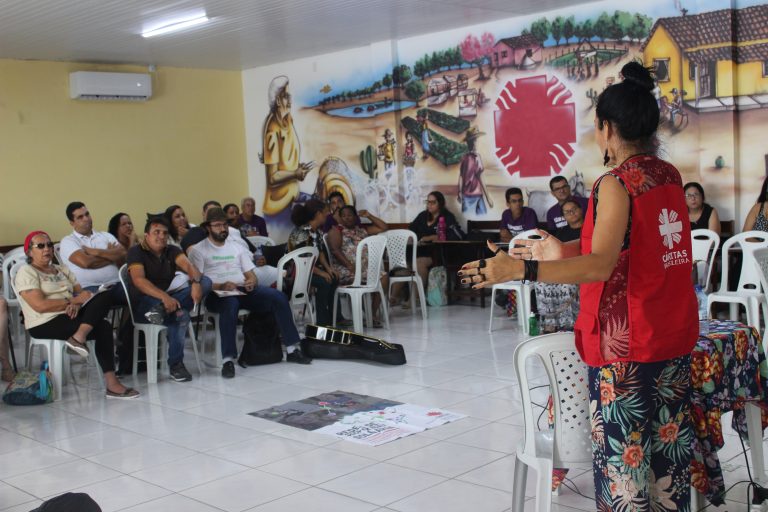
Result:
489,271
547,248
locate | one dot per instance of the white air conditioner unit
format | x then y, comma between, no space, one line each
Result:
92,85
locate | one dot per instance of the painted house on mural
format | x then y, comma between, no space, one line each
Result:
514,51
719,58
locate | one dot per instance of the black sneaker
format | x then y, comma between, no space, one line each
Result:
228,370
297,357
179,373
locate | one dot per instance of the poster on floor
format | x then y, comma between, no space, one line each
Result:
358,418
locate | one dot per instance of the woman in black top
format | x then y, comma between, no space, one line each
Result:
425,226
701,215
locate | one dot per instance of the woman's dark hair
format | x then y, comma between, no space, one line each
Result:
230,205
168,214
631,107
693,184
573,201
763,192
303,213
348,207
440,202
114,224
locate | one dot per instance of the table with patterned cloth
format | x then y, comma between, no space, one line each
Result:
728,373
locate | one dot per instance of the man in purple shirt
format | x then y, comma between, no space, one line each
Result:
517,217
561,190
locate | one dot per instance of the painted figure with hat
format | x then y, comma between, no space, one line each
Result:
387,149
281,152
472,192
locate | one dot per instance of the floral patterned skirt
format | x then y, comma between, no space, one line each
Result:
642,435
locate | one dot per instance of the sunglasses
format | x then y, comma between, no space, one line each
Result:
42,246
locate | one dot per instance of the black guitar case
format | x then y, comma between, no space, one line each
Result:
332,343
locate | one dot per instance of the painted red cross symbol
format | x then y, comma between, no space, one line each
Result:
534,126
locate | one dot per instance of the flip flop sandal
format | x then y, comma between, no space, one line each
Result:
128,394
77,347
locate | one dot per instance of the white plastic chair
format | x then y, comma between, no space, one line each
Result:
154,336
258,241
375,245
761,263
749,291
303,260
704,243
397,250
58,360
569,443
523,291
14,308
57,253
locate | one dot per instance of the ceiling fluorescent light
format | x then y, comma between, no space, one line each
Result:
175,26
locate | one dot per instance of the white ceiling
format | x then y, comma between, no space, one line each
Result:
242,33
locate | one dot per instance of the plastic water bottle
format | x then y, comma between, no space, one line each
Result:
701,297
533,325
441,229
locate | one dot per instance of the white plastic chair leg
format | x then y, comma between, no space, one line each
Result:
493,303
357,312
422,298
136,335
55,363
544,487
92,357
368,310
193,339
755,436
151,344
384,308
518,486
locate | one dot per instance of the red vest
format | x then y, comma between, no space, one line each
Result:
662,308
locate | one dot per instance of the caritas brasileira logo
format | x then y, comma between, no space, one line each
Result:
535,126
670,230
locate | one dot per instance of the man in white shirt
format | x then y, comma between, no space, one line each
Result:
231,269
93,256
266,274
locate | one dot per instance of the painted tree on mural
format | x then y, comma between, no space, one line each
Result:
556,29
540,29
569,28
429,64
476,51
400,75
415,90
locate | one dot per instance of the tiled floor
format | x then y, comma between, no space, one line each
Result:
191,447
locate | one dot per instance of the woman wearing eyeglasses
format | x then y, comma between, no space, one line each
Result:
425,226
56,307
701,214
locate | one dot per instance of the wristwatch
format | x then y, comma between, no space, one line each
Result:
194,281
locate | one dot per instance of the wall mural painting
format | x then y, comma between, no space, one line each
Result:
498,109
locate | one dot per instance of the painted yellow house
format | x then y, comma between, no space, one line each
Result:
719,58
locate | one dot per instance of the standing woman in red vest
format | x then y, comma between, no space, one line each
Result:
638,321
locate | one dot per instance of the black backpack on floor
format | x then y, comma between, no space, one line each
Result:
261,340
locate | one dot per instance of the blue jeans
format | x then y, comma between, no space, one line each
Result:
177,322
261,299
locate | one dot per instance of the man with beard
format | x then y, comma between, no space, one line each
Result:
231,269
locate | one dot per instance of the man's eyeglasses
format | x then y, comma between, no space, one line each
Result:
42,246
572,211
558,189
219,225
692,196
